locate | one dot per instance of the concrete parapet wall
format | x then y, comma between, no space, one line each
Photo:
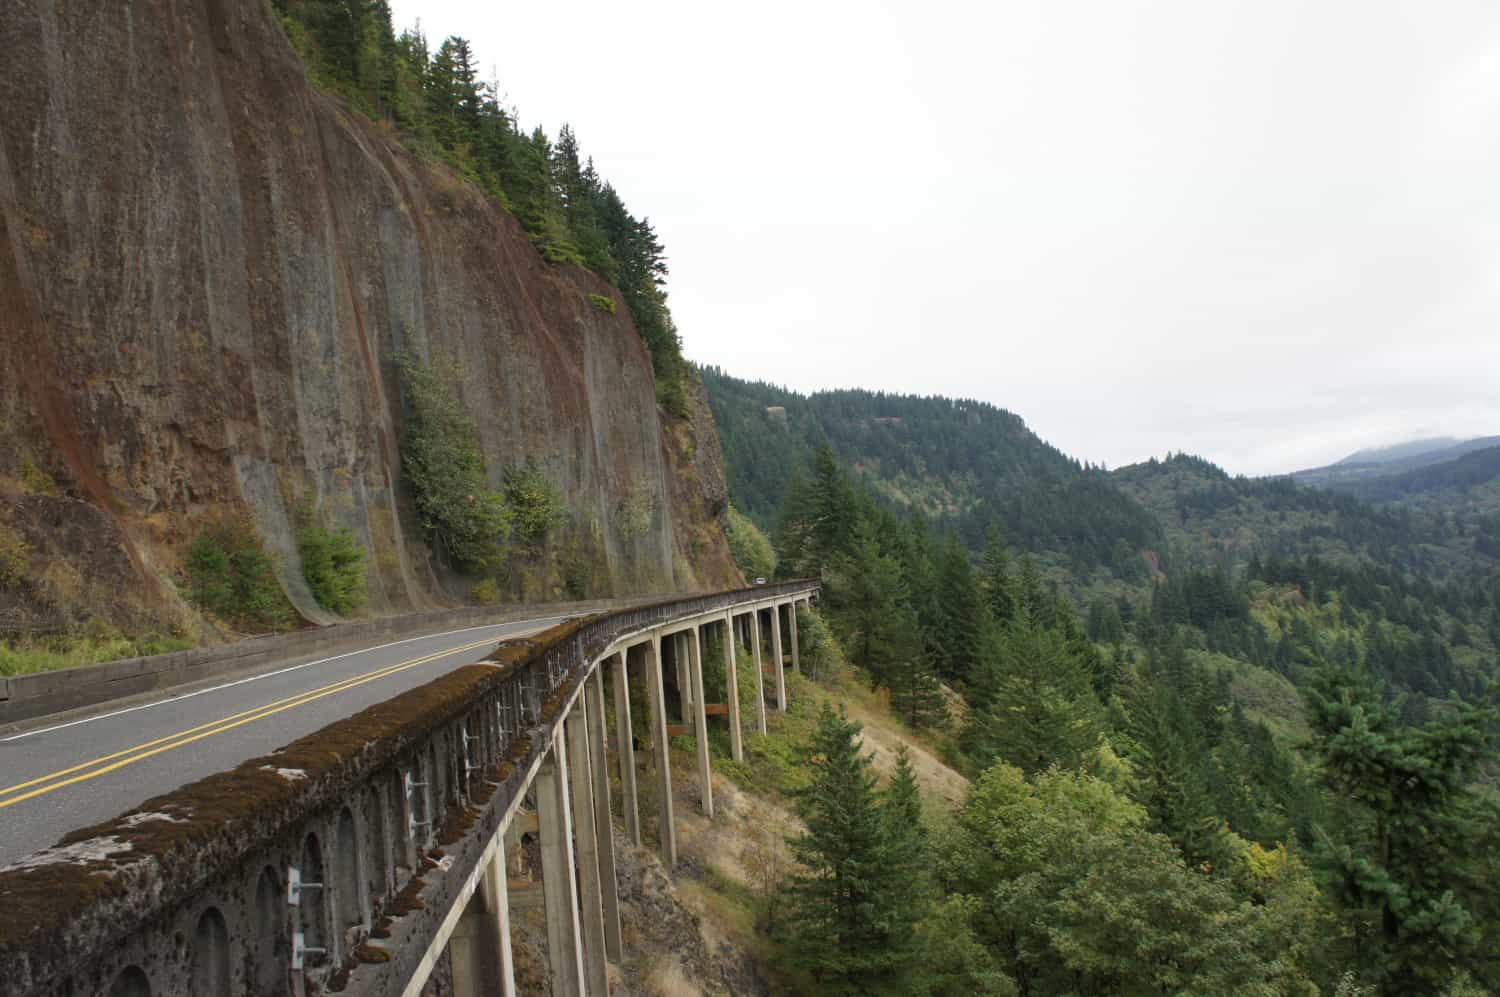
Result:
26,697
388,812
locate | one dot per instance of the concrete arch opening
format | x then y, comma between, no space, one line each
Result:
376,862
402,808
267,952
426,799
313,910
131,982
346,861
208,970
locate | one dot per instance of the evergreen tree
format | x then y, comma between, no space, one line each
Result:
1170,764
998,585
958,613
794,527
845,920
866,601
834,512
1105,624
1033,703
1030,594
916,693
1401,862
909,853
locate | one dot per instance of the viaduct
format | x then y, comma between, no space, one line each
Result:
375,856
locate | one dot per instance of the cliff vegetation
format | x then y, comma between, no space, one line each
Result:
237,240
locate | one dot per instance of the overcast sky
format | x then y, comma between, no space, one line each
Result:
1267,232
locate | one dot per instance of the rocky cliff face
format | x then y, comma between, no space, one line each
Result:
207,271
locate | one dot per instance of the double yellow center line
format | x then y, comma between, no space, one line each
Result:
84,771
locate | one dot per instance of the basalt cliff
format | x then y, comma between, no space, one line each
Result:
208,272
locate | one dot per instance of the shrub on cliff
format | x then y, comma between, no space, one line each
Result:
532,505
458,512
15,558
749,547
333,564
230,575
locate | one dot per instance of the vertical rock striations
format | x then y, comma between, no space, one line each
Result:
207,271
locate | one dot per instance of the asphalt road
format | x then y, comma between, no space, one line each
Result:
54,779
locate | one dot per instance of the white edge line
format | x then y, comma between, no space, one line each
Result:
266,675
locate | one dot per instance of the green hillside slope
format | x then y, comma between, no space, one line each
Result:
963,464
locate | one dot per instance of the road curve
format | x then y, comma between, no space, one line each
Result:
56,778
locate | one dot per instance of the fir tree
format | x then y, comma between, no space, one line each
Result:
916,694
833,509
1033,702
909,851
845,918
866,601
997,584
1401,863
958,613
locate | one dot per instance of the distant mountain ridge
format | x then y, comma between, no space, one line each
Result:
1399,451
1397,458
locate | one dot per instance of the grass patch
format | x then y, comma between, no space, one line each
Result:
15,558
773,764
603,302
49,654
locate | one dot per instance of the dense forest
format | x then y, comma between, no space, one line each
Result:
1268,777
436,100
1227,735
963,465
1469,485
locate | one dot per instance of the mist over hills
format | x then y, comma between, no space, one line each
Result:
1394,459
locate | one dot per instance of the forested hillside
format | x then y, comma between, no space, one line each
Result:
1384,462
1210,517
963,465
1464,491
1269,775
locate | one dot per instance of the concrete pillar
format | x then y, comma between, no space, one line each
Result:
656,693
700,721
466,954
684,676
609,887
760,664
586,843
559,887
625,749
732,679
496,887
791,612
776,657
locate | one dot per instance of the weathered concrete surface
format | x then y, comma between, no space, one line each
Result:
207,272
390,810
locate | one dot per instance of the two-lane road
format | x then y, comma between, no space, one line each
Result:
56,778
